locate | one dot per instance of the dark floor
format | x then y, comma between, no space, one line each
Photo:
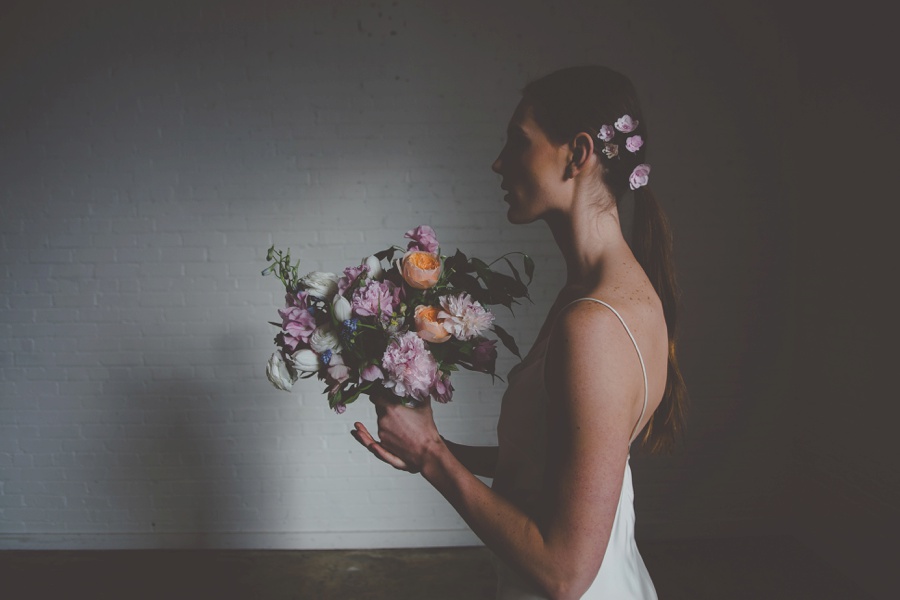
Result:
757,568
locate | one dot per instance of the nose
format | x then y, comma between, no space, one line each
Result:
497,166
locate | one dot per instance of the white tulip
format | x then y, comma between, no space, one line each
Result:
306,361
374,265
324,338
320,284
341,309
278,372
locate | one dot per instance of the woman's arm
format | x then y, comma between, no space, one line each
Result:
480,460
592,411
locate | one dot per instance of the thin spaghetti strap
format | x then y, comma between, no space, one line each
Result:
640,358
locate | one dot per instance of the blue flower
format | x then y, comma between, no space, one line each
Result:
348,328
326,357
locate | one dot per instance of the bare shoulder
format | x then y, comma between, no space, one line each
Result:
590,356
591,362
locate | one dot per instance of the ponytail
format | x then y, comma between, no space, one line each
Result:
652,246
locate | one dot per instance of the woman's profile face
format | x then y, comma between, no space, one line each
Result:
532,168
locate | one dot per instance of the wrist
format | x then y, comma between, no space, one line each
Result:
435,456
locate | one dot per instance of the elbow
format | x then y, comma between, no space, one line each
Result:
570,584
565,591
568,588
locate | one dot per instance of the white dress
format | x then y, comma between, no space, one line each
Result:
520,475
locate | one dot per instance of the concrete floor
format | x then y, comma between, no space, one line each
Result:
730,569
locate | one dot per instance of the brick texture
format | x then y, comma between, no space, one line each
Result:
149,157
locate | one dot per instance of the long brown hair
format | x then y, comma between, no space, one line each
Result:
583,99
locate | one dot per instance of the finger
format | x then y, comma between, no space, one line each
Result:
365,438
372,445
391,459
362,435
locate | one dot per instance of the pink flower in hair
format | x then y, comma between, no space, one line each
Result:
634,143
626,124
639,176
607,133
423,238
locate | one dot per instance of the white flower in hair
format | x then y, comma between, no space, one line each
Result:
606,133
626,124
611,150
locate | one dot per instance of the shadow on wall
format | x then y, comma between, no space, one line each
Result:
193,465
179,483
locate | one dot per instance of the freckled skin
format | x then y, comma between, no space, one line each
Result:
592,375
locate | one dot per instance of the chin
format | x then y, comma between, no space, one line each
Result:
517,218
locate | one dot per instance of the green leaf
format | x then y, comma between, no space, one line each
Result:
529,267
387,254
459,262
515,271
507,340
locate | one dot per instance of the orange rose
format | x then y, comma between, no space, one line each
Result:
421,270
428,326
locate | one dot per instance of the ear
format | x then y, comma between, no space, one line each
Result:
581,149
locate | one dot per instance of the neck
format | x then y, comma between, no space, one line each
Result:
590,239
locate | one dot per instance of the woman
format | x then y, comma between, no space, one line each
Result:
559,515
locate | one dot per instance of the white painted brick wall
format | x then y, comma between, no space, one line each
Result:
150,156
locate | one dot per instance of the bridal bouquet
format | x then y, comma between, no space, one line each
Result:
403,328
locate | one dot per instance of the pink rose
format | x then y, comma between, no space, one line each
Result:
639,176
634,143
423,238
606,134
626,124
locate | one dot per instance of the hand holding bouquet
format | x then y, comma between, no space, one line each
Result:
404,329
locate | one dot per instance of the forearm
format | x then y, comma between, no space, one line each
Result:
503,527
480,460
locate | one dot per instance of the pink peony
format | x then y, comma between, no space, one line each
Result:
626,124
634,143
409,367
297,321
639,177
423,239
376,298
464,317
606,134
